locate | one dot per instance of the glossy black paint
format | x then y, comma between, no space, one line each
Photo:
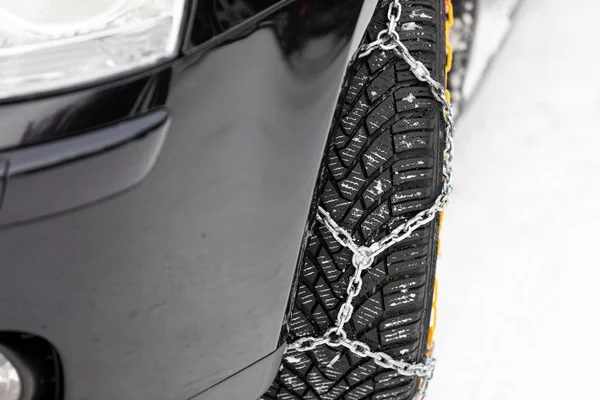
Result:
259,375
209,19
53,177
46,118
167,289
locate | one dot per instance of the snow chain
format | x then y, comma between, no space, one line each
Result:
364,256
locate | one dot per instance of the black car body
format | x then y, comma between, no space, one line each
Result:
150,224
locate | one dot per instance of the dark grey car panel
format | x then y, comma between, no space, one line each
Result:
167,289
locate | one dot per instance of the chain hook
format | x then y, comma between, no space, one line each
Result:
363,259
388,40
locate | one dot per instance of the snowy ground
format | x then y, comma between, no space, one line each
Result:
519,273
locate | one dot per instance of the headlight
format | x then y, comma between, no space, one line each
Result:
46,45
10,384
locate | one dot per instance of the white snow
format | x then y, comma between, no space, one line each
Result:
293,360
410,98
519,271
379,187
411,26
415,14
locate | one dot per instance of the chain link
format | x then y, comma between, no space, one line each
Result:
364,256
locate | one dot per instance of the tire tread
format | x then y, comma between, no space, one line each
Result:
382,165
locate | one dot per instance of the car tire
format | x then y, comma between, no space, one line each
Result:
382,165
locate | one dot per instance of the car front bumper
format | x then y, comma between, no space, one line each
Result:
156,250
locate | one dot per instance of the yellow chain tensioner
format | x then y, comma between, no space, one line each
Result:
449,22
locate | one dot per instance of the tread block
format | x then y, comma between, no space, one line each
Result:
380,115
399,321
368,312
319,381
348,154
336,391
300,361
322,318
412,176
361,391
423,14
351,121
380,151
309,271
328,239
372,278
362,372
326,359
335,166
325,294
355,214
327,265
377,189
333,203
412,164
411,194
343,259
412,141
400,335
340,139
284,394
416,104
377,60
397,393
417,46
300,324
370,337
410,207
313,243
309,396
384,82
357,83
407,267
390,378
425,34
405,351
339,288
412,300
407,254
404,286
375,220
410,95
404,74
292,382
413,125
353,183
305,296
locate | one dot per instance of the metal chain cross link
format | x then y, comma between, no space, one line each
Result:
364,256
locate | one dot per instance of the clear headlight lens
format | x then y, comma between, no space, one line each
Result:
50,44
10,384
